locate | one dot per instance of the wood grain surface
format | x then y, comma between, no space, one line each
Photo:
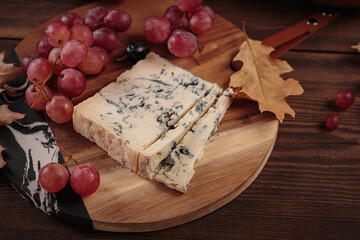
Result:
309,188
235,156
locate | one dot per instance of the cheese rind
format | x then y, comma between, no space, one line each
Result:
178,168
129,115
151,157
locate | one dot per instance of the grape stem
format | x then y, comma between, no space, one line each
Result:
41,87
67,154
200,50
121,58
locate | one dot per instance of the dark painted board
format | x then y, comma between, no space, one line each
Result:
29,145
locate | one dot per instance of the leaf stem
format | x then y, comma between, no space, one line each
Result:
255,62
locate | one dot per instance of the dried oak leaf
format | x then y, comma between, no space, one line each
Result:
7,116
8,71
259,78
357,47
2,162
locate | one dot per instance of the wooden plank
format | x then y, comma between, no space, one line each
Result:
322,75
263,18
18,18
305,207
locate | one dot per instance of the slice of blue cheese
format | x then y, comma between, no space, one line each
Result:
178,168
151,157
130,114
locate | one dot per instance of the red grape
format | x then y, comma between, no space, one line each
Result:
118,20
71,19
32,93
83,34
182,43
43,48
57,33
104,56
332,121
176,17
189,6
39,70
93,62
344,98
73,53
25,61
71,82
201,23
106,38
53,56
53,177
59,108
85,179
208,10
157,29
95,17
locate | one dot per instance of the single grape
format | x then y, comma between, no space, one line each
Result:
182,43
57,33
39,70
32,93
43,48
344,98
71,19
104,56
53,177
106,38
94,18
208,10
58,66
136,51
85,179
176,17
71,82
73,53
83,34
118,20
157,29
25,61
201,23
59,108
92,64
332,121
189,6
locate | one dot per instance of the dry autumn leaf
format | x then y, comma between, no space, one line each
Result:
7,116
357,47
8,71
259,78
2,162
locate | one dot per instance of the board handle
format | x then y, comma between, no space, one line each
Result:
292,36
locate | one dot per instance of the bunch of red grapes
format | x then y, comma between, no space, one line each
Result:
179,25
71,48
84,179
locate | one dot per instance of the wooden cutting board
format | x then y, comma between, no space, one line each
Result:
233,159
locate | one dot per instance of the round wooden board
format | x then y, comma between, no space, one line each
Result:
233,159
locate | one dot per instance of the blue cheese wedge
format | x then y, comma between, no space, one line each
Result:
151,157
178,168
130,114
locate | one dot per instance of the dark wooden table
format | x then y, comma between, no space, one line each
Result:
310,187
